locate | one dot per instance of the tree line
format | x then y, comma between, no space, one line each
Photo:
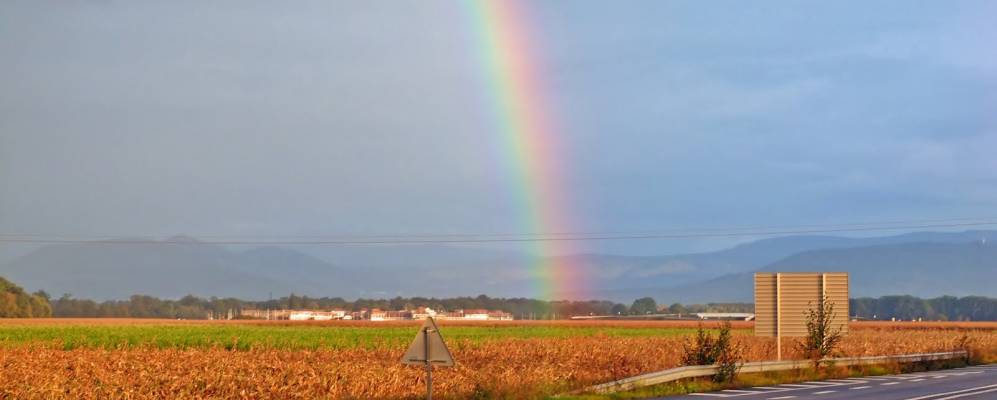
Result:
192,307
945,308
16,303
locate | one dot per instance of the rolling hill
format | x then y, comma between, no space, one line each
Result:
914,263
174,268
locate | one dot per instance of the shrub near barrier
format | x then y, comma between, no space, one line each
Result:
722,351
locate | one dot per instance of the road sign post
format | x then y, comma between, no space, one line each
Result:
429,367
428,349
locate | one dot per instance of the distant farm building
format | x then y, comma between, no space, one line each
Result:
300,315
479,315
377,315
726,316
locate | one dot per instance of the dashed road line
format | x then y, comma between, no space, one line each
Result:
968,394
891,380
952,392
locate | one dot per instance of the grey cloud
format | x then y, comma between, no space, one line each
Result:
344,117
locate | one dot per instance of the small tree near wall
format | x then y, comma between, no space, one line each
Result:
822,336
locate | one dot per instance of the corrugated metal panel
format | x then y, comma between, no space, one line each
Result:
765,304
836,289
782,300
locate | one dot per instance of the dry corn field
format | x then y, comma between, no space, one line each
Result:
510,360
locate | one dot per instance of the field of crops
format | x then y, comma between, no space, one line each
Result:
117,334
154,359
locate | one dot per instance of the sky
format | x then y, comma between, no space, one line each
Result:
256,118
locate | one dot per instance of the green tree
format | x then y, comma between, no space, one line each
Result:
16,303
644,305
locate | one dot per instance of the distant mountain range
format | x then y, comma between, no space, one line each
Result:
911,263
923,269
924,264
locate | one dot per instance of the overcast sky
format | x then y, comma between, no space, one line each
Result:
319,118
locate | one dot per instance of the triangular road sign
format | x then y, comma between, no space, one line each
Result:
428,345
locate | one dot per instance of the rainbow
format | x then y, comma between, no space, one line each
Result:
526,121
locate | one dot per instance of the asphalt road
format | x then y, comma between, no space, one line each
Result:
970,383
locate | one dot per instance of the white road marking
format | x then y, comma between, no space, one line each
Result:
968,394
893,380
952,392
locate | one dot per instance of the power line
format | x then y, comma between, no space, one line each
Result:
468,235
9,238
